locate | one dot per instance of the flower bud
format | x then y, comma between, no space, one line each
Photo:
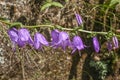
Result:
96,44
79,19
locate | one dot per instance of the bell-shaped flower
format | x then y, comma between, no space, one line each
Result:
13,34
39,41
96,44
62,40
77,44
55,36
24,37
79,19
115,42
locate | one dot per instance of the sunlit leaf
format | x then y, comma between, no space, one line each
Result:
114,2
49,1
57,4
45,6
66,0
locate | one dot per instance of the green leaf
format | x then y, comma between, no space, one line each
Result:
114,2
49,4
46,6
48,0
57,4
66,0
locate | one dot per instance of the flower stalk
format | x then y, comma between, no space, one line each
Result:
54,26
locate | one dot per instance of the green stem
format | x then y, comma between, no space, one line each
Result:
51,26
67,29
36,26
8,23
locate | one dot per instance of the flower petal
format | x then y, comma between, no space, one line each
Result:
36,42
96,44
65,43
115,42
63,36
79,19
23,34
39,40
77,43
13,34
55,36
30,41
24,37
21,43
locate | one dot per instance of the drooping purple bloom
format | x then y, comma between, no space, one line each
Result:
55,37
77,44
109,45
24,37
39,41
60,39
96,44
79,19
115,42
64,40
20,37
13,34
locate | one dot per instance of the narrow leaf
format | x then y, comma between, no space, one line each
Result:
49,1
114,2
57,4
45,6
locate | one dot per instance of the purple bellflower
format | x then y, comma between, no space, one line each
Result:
115,42
13,34
79,19
60,39
24,37
55,36
77,44
64,40
39,41
96,44
20,37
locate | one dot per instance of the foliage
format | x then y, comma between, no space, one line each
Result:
100,67
50,3
114,2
